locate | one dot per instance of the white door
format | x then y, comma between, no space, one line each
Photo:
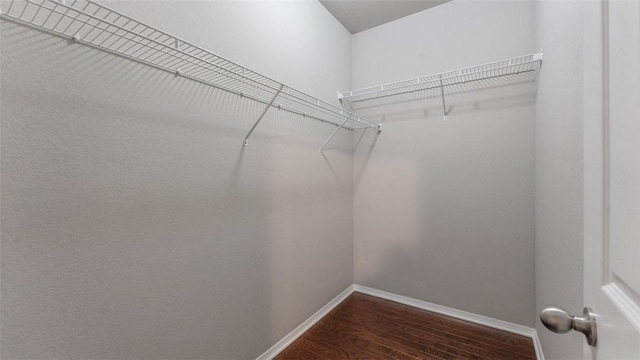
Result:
612,176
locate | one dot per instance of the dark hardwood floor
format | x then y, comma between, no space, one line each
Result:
366,327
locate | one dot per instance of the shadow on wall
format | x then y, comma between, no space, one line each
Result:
134,222
363,143
444,209
425,104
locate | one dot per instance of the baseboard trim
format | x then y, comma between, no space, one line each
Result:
537,345
455,313
306,325
458,314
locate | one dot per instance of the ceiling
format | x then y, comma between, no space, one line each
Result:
360,15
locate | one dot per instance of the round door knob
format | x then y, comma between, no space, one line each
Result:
560,321
556,319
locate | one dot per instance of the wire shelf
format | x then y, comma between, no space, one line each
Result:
512,71
89,23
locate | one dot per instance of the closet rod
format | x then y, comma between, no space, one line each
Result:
89,23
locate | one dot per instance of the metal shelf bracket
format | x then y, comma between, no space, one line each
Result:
444,105
246,138
334,134
378,131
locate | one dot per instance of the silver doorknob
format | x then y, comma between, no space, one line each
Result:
560,321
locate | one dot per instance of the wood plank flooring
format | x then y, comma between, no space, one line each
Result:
366,327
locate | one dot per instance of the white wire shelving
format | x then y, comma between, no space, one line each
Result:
89,23
512,71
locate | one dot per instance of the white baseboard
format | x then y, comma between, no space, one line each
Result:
537,346
458,314
454,313
306,325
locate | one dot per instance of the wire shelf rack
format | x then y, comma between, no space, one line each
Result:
89,23
512,71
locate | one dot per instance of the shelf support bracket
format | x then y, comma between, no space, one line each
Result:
444,106
246,138
334,133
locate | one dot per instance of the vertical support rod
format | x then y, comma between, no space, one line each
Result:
246,138
334,133
444,106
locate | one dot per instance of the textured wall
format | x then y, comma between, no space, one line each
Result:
559,170
135,225
444,210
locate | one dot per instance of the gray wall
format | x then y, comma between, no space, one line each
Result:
559,170
135,225
444,210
